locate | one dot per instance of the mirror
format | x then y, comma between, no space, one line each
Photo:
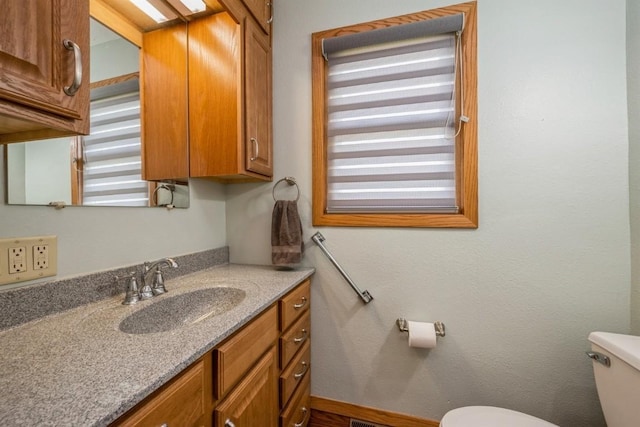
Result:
103,168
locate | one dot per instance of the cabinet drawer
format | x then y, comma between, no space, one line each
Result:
233,358
293,339
294,304
295,373
297,412
180,403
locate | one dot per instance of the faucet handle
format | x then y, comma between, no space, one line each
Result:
132,295
158,283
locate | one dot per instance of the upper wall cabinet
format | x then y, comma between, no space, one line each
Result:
44,57
228,128
262,10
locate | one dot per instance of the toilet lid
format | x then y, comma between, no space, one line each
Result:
489,416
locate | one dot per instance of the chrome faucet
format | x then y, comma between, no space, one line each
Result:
157,286
134,293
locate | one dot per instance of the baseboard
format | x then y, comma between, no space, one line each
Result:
333,413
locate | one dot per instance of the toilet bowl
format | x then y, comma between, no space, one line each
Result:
490,416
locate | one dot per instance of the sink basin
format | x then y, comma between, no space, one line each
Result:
176,311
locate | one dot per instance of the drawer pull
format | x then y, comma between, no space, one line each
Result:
256,149
305,368
302,338
270,20
77,74
304,419
302,304
229,423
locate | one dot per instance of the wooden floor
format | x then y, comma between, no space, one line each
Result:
331,413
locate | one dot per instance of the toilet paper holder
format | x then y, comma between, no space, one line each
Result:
404,327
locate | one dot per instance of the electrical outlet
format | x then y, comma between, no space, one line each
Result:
17,259
28,258
40,257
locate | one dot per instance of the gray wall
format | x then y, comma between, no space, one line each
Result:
633,97
113,58
550,261
93,239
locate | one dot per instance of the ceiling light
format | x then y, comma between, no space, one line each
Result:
150,10
194,6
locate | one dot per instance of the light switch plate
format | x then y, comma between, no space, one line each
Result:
28,258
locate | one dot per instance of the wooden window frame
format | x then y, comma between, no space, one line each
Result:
466,142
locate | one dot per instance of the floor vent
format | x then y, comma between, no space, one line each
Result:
360,423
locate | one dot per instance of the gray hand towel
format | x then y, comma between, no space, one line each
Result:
286,234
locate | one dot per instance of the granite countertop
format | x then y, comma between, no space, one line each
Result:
77,368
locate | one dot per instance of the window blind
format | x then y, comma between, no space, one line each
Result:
112,169
390,124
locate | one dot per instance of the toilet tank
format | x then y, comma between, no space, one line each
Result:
618,384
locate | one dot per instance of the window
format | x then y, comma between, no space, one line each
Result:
395,122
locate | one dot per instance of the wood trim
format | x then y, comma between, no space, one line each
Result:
77,170
115,80
337,411
466,144
115,21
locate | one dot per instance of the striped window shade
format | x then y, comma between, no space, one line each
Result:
391,98
112,167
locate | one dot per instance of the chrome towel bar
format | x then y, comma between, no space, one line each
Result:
365,295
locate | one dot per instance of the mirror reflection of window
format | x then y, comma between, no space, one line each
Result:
103,168
106,166
107,162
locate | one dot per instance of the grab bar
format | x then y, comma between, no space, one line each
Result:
365,295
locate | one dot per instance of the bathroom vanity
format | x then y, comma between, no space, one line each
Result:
245,365
239,382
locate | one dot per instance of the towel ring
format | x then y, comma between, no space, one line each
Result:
291,181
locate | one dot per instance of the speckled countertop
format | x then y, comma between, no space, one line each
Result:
76,368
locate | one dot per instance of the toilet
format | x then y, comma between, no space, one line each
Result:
618,380
490,416
616,368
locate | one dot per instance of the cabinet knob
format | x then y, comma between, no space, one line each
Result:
229,423
77,75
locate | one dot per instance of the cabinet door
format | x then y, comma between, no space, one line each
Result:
35,65
254,402
165,150
257,100
262,10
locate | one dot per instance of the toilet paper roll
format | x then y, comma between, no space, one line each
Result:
421,334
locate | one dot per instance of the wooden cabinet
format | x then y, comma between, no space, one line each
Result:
262,11
235,356
44,48
164,103
254,402
257,100
227,133
181,402
295,356
243,381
